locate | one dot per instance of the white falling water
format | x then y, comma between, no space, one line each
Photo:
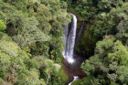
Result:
74,78
70,35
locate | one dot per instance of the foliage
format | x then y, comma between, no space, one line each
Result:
17,66
101,24
108,65
35,28
2,25
31,42
32,23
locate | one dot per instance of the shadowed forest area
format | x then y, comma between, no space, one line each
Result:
31,41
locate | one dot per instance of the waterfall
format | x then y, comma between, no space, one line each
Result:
69,41
71,67
75,78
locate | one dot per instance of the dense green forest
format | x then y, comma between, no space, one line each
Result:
31,41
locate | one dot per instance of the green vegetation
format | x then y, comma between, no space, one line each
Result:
31,41
2,25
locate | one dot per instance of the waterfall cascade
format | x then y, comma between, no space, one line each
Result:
75,78
71,67
69,41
